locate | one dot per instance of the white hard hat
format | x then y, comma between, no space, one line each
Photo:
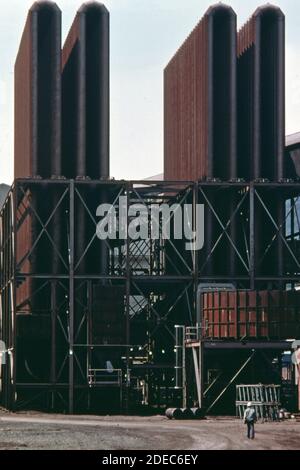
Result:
249,404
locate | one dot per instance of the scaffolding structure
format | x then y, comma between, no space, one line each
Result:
51,288
264,398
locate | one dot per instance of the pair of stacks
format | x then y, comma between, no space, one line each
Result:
225,99
62,96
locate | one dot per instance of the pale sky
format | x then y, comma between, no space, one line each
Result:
144,36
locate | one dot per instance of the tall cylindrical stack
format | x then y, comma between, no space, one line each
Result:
225,119
261,92
38,94
200,114
261,118
219,78
85,78
85,75
200,101
38,129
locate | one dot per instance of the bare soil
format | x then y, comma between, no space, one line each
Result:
36,431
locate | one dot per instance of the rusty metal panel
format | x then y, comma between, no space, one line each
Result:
215,314
23,106
85,77
252,330
252,314
242,317
233,327
38,94
224,314
261,95
24,241
264,325
200,101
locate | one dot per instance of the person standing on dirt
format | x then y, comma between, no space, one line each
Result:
249,419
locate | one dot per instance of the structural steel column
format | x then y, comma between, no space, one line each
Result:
195,252
13,287
53,341
128,283
252,237
71,299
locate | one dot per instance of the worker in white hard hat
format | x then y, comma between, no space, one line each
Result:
249,419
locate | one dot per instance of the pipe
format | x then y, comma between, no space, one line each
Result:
179,356
197,413
187,413
86,93
174,413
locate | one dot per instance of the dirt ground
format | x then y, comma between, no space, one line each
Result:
41,431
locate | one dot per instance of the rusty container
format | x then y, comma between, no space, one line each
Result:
252,315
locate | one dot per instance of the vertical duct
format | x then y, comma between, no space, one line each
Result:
200,113
38,94
200,101
261,95
261,122
85,79
85,76
222,47
38,127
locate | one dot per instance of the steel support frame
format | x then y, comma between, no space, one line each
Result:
252,197
69,280
147,192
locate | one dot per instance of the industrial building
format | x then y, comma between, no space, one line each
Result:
135,325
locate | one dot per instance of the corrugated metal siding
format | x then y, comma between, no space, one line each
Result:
252,314
23,106
24,242
70,41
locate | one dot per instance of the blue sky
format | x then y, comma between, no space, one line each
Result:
144,36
